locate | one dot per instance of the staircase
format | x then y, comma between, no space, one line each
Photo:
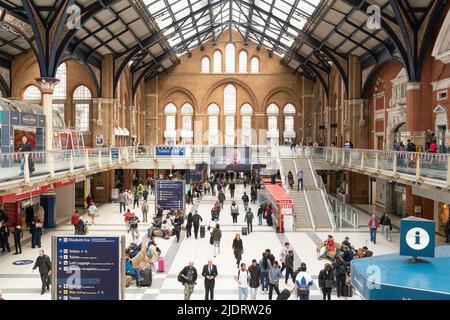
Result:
318,206
302,217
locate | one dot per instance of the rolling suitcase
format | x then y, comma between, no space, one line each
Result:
146,275
244,231
284,295
202,231
161,264
348,291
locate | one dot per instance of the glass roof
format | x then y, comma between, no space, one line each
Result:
272,23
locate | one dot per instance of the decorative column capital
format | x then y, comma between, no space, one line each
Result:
46,84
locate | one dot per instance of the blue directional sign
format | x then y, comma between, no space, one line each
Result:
87,268
417,237
170,194
167,151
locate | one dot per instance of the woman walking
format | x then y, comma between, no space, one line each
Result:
326,281
216,236
265,265
189,225
238,248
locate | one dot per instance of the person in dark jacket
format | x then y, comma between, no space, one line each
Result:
249,219
196,218
245,199
189,225
210,273
38,231
232,187
18,234
386,226
326,281
29,215
4,235
238,248
289,263
255,278
178,221
253,194
340,269
136,198
189,277
45,267
447,231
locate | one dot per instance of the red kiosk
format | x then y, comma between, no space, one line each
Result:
283,206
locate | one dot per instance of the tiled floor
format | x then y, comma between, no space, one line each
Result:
18,282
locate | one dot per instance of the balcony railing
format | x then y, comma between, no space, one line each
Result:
422,167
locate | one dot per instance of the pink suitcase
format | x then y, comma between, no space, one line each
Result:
161,264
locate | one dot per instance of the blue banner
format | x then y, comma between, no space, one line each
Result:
87,268
168,151
115,154
170,194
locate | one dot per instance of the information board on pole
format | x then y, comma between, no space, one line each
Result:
170,194
88,268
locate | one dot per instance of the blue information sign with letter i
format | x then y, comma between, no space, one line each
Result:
417,237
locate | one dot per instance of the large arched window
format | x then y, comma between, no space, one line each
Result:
217,61
187,134
205,65
243,62
230,58
170,134
272,126
229,109
213,124
82,99
289,128
59,93
246,113
254,65
32,94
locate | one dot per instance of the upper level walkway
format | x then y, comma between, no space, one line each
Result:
414,168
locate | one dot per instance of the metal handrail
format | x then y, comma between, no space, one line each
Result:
309,207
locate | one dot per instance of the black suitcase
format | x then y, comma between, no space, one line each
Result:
146,275
348,291
284,295
202,231
244,231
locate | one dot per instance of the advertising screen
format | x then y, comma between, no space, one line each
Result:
87,268
230,159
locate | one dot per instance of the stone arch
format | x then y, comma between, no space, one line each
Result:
373,73
294,98
165,98
235,82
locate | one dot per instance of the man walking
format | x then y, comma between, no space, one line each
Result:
249,218
386,226
221,197
145,194
373,226
136,198
189,277
242,279
210,274
245,199
144,210
283,254
303,282
134,223
234,211
45,266
232,188
300,180
18,234
255,278
122,200
196,218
